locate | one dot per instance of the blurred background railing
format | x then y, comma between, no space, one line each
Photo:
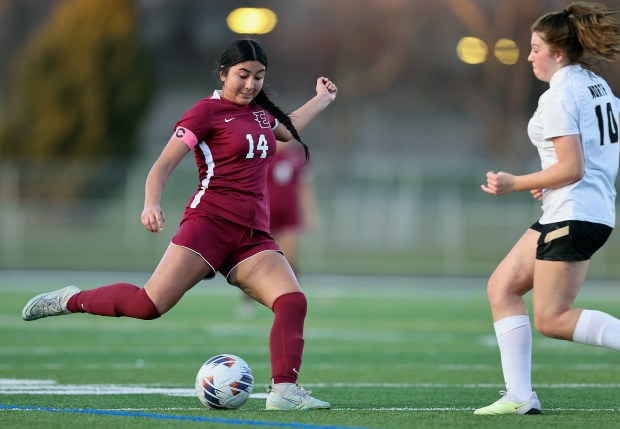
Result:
432,95
402,217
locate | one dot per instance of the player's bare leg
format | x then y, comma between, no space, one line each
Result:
179,270
265,277
512,279
557,284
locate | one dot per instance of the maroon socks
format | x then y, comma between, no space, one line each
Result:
120,299
286,341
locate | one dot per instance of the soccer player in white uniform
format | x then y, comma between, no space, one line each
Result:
575,129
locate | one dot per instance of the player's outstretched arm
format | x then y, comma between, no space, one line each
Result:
325,93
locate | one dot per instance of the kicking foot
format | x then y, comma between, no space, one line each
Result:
49,304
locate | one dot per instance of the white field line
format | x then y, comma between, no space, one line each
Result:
50,387
471,409
399,409
447,367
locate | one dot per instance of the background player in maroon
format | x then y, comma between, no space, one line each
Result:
292,199
225,226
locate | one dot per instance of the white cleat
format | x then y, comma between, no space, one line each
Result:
49,304
509,405
288,396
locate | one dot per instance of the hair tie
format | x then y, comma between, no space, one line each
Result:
568,14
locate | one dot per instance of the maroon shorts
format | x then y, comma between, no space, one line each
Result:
221,243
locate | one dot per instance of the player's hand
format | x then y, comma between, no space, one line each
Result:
327,88
537,194
499,183
153,218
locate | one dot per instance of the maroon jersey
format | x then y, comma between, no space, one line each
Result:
234,146
286,172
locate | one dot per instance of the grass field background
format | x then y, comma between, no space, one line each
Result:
385,352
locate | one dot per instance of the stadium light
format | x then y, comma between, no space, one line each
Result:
249,20
506,51
472,50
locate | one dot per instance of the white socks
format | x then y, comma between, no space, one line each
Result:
514,337
596,328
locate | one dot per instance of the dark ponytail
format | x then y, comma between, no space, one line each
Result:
262,99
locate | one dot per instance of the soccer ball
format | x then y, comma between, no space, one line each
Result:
224,382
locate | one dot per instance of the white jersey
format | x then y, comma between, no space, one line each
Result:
578,102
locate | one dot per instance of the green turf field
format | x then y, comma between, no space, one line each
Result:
386,353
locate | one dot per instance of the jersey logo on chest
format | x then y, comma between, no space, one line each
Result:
261,118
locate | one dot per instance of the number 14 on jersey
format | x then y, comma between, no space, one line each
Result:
261,146
612,125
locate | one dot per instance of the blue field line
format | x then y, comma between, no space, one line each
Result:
173,417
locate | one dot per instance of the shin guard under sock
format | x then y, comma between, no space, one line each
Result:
120,299
596,328
286,341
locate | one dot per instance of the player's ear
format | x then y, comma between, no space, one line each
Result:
223,73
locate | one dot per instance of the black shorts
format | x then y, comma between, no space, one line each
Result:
571,240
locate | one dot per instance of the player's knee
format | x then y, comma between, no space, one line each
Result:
291,302
145,308
502,289
549,325
496,291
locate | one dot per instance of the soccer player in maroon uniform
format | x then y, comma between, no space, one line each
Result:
225,226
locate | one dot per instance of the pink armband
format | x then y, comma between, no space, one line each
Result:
186,136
